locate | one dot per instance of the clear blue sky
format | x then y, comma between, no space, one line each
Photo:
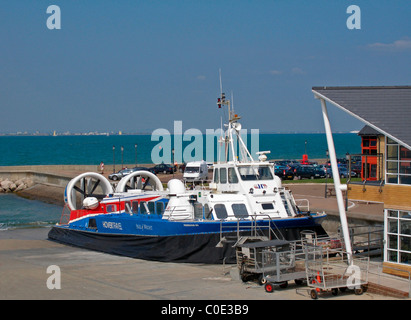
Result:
136,66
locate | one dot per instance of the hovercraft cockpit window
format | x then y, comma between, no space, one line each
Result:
255,173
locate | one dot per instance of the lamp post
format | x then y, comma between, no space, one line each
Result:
172,152
326,174
114,159
348,158
135,149
122,163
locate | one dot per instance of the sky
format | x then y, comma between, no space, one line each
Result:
136,66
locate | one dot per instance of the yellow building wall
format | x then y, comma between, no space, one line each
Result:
393,196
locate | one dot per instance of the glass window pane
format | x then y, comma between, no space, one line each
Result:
143,209
223,175
127,206
216,178
159,207
267,206
405,215
111,208
405,179
198,211
405,257
392,256
392,225
392,242
393,213
220,211
405,154
232,176
240,210
392,152
405,243
151,206
392,166
392,178
390,141
134,207
405,167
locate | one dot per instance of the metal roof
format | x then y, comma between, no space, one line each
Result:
368,131
386,109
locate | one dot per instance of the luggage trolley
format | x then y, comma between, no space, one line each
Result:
251,254
325,273
279,267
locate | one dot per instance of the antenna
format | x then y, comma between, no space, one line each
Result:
221,83
232,101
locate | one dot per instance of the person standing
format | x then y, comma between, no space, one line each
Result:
102,167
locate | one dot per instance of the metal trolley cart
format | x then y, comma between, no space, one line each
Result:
251,254
279,267
325,273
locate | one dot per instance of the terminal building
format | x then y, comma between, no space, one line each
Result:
385,159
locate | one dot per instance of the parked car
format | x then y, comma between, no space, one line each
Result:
309,172
143,169
118,175
356,167
163,168
343,171
284,172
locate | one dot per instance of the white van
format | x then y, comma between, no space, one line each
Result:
196,171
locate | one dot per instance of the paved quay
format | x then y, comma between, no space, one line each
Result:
26,254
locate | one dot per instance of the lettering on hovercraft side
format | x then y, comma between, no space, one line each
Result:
112,225
144,227
260,186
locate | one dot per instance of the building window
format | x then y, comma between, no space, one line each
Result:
398,235
370,162
398,163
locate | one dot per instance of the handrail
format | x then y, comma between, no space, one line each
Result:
299,206
253,227
380,274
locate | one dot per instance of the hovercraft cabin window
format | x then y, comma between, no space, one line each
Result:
239,210
111,208
220,211
143,207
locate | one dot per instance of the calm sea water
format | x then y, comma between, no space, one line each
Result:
89,150
17,212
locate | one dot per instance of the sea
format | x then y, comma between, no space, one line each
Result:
130,149
17,212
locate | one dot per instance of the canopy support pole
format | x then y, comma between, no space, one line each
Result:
337,183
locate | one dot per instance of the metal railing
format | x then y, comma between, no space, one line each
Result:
250,228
